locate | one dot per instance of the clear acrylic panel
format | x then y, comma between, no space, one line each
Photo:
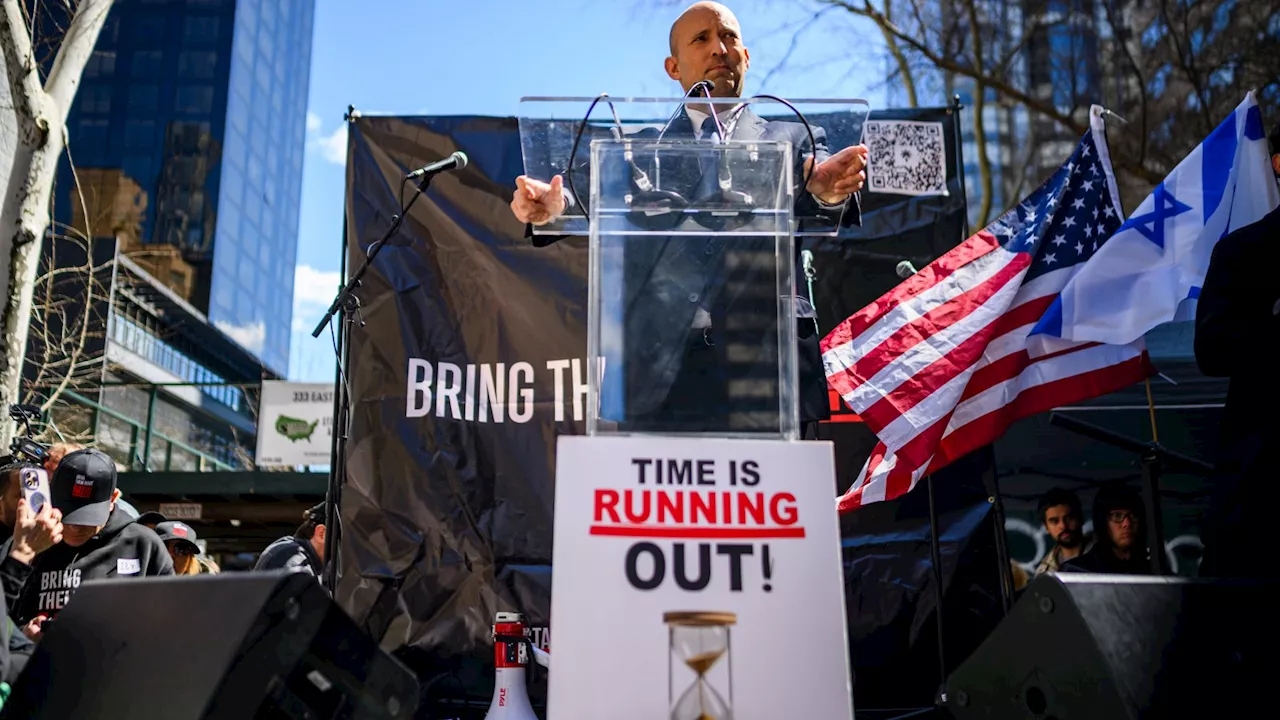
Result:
555,131
691,289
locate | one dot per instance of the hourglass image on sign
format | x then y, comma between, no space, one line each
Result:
699,665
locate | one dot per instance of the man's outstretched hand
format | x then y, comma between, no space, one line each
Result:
538,202
839,176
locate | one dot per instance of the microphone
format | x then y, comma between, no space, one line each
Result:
644,183
456,161
905,269
806,262
704,85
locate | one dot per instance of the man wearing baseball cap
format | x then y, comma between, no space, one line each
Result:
98,541
151,519
304,552
180,539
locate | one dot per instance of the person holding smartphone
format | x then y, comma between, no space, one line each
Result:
25,532
97,541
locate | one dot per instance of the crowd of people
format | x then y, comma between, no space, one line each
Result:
83,532
1118,543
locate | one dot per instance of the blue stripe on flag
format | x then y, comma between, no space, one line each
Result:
1051,322
1217,157
1253,129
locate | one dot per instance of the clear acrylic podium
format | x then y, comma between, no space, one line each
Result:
691,299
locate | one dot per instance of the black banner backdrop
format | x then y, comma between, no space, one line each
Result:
470,362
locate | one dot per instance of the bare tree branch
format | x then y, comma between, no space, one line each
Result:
979,116
791,47
78,348
77,46
24,213
895,51
20,62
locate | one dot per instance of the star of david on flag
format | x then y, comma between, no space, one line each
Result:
1151,271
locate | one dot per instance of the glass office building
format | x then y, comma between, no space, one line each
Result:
203,103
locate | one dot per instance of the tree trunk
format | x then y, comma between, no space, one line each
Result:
979,112
895,50
41,134
985,180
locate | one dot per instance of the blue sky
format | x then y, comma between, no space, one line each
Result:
446,57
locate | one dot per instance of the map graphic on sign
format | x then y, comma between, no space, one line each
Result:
295,424
295,429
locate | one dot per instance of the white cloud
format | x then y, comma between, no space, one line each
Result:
251,337
311,359
313,291
331,146
312,287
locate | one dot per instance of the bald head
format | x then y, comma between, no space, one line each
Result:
694,10
706,44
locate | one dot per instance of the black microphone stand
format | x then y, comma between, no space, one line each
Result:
347,304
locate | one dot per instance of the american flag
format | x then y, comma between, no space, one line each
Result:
945,362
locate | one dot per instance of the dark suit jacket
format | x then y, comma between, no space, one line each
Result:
1237,325
666,280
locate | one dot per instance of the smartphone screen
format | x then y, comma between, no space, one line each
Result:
35,487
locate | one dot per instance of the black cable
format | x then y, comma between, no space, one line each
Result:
463,695
813,144
573,152
711,105
915,713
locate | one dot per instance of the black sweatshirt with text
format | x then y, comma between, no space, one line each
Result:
122,549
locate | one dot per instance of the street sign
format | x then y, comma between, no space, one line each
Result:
182,511
295,423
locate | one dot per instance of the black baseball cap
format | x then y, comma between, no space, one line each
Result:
151,517
179,532
82,487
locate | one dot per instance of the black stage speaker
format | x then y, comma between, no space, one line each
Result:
227,647
1090,647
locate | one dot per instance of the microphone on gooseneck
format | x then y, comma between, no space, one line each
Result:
456,161
806,262
706,86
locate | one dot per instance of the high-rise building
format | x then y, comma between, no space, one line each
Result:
166,286
1004,128
202,103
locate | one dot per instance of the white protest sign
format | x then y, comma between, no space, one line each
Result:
295,423
697,578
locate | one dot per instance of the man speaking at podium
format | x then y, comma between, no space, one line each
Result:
676,376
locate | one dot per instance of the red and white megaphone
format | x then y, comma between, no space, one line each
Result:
510,658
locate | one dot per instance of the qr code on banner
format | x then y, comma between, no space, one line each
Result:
906,158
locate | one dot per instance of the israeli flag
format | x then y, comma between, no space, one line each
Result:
1150,271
